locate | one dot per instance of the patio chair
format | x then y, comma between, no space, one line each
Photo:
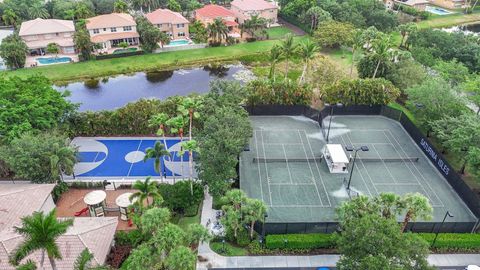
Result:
81,212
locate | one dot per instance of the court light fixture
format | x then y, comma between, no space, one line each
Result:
332,106
351,148
447,214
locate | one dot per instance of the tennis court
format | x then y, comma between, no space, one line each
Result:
284,167
122,158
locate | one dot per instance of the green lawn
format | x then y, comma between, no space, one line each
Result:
230,250
278,32
159,61
449,20
183,221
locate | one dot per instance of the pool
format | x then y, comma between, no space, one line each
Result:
53,60
117,51
179,42
437,10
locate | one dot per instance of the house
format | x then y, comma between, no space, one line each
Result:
38,33
171,23
245,9
451,4
419,5
20,200
110,30
209,13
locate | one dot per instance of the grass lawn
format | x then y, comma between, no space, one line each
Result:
159,61
449,20
230,250
278,32
183,221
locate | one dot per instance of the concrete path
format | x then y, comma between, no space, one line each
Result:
214,260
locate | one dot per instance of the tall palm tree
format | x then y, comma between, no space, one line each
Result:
160,120
120,6
357,42
254,211
217,30
190,107
40,233
274,58
177,125
288,50
146,189
381,50
190,146
254,26
157,152
417,206
9,17
307,51
62,161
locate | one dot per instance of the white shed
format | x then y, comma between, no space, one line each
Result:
336,159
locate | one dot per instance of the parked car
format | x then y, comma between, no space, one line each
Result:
472,267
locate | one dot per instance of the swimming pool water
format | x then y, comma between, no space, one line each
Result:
53,60
437,10
178,42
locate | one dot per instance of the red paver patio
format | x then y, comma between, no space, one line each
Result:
72,201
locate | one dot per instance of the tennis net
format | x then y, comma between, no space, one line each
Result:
319,159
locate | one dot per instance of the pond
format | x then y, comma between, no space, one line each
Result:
114,92
467,28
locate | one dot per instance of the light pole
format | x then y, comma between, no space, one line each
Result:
263,225
441,225
331,116
364,148
223,245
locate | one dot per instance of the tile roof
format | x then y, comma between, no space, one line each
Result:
96,234
62,42
214,11
253,4
160,16
111,36
110,20
49,26
19,200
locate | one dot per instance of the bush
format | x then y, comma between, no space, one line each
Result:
178,197
60,188
300,241
454,241
243,238
86,185
131,238
281,92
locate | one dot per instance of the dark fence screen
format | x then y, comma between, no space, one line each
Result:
462,189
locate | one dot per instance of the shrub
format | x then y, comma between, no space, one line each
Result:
131,238
178,197
300,241
454,241
243,238
282,92
60,188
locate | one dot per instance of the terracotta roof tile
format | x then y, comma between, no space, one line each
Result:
110,20
41,26
253,5
160,16
214,11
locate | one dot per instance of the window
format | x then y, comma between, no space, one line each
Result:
113,29
96,31
127,28
181,34
159,25
180,25
104,29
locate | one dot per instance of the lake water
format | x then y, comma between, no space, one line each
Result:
468,29
115,92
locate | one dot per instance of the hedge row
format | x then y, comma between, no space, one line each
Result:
451,241
300,241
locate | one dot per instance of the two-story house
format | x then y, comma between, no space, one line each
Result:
245,9
110,30
171,23
38,33
209,13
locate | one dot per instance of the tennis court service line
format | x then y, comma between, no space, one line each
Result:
258,164
385,165
318,170
309,166
266,168
419,172
288,168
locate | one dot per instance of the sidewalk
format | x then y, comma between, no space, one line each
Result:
215,260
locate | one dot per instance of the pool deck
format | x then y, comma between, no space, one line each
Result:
31,60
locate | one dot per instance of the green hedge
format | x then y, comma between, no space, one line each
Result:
300,241
450,241
454,240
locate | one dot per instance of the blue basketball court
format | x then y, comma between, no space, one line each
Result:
118,157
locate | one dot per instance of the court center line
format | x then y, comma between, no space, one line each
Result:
309,166
358,169
318,170
416,168
258,165
131,165
385,165
286,161
266,167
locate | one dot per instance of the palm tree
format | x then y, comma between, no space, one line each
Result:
146,189
217,30
120,6
29,265
254,25
255,210
160,120
62,161
38,10
190,107
274,58
390,204
69,14
40,232
381,50
157,152
82,11
84,262
307,51
190,146
9,17
288,49
417,206
176,125
317,15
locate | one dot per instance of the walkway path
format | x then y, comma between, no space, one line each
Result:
214,260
